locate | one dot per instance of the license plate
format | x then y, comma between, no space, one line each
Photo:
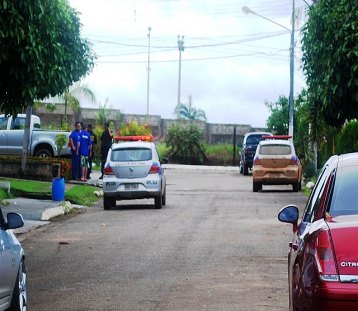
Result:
131,187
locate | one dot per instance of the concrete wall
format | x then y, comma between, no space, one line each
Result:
214,133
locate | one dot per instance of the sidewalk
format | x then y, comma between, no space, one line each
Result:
35,212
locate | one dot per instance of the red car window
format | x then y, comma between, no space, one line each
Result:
345,195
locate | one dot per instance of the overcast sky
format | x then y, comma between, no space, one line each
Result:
232,62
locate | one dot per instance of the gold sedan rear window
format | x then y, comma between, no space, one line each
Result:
275,150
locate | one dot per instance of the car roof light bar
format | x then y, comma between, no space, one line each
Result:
276,137
133,138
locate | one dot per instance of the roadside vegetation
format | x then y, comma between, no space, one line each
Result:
76,194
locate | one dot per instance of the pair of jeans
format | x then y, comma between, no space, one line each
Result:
76,165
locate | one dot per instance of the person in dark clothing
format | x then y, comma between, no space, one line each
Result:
106,143
94,142
74,144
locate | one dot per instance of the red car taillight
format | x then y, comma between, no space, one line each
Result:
257,161
154,169
108,170
293,161
324,256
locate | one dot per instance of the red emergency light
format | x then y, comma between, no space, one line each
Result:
277,137
133,138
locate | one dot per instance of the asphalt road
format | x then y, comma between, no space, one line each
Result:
215,246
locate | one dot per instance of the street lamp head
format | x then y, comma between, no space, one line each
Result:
247,10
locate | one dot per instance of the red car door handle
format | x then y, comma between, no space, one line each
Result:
292,245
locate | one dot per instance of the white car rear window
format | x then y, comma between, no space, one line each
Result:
131,154
275,150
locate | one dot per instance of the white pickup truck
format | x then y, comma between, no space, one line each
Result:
42,142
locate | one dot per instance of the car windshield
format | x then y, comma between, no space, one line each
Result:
254,139
131,154
345,194
275,150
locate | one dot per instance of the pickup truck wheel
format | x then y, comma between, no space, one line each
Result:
43,153
246,170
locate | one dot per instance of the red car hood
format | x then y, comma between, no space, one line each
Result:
344,233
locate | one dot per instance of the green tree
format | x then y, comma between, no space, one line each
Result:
330,59
42,54
188,112
348,137
277,122
72,96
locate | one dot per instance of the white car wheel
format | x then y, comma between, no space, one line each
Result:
19,296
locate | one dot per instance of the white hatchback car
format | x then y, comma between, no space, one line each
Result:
13,288
133,171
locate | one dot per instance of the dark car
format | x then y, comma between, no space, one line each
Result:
323,255
248,149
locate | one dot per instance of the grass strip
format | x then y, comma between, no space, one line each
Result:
77,194
82,195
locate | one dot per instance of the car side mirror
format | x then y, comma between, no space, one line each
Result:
289,214
14,220
165,160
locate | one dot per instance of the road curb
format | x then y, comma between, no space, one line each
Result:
52,212
201,167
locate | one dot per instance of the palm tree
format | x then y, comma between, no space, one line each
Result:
73,93
188,112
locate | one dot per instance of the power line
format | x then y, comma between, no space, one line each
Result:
259,37
254,54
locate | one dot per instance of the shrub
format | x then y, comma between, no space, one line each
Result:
61,142
348,138
163,150
185,144
219,154
132,128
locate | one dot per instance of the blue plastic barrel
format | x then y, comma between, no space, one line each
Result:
58,189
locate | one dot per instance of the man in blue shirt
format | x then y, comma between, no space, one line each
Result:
74,144
85,152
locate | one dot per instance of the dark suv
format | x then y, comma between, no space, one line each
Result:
247,153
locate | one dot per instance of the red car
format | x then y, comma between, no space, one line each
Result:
323,256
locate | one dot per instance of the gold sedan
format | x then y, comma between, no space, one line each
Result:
276,163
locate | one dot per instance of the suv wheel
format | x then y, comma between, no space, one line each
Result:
246,170
241,169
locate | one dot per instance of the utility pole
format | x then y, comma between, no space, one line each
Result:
181,49
292,68
148,69
247,10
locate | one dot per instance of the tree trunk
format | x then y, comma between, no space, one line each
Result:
26,142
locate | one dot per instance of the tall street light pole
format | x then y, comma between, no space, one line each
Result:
181,49
148,69
247,10
292,68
